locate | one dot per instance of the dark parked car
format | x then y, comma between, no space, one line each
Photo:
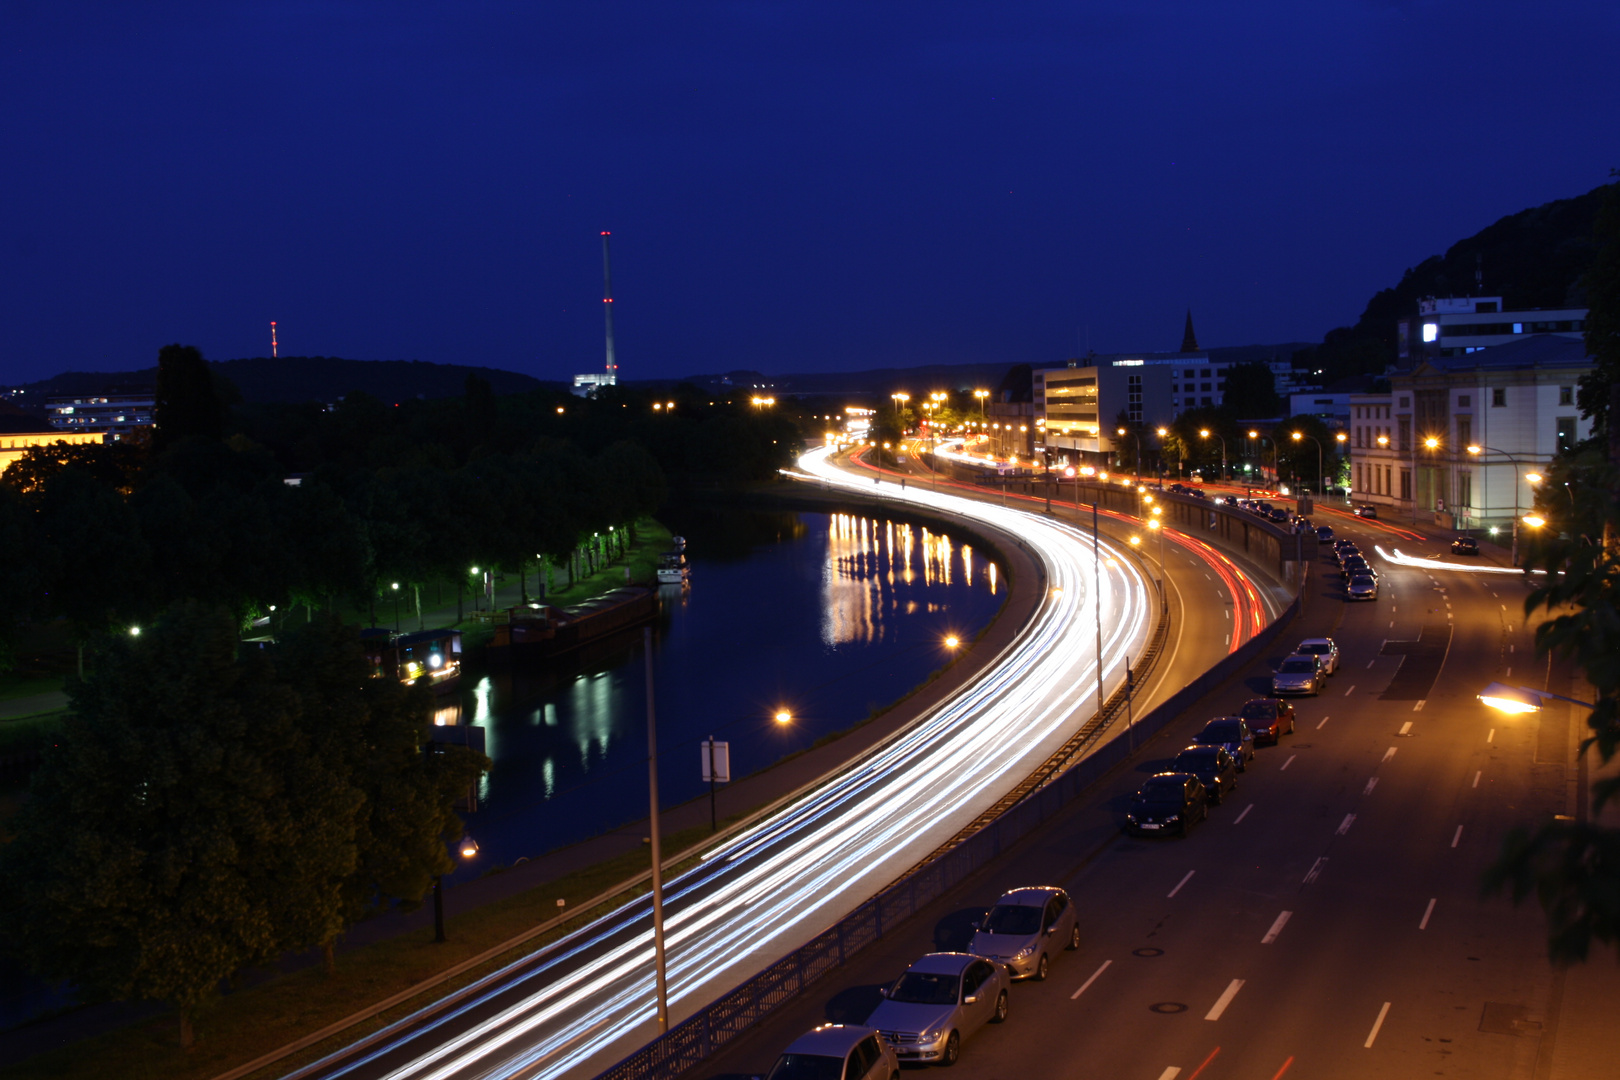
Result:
1367,511
1232,733
1361,587
1324,533
1168,802
1465,545
1268,718
1214,767
1356,564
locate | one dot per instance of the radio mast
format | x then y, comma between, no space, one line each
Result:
272,339
607,308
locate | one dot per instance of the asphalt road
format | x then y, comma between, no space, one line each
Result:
1327,921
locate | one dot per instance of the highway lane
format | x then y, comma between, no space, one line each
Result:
1369,828
578,1006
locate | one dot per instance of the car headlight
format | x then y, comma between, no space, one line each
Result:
931,1034
1023,954
1173,817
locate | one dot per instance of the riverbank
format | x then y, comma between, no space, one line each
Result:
383,957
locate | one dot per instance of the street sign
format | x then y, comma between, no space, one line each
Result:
720,754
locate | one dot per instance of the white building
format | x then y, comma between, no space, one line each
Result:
1457,326
1514,403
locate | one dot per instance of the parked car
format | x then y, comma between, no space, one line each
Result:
1298,674
838,1052
1324,533
1232,733
1323,647
940,1000
1215,768
1367,510
1357,564
1024,928
1361,587
1168,802
1465,545
1268,718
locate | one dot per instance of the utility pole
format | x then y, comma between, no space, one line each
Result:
657,852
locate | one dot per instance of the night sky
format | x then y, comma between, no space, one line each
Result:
791,186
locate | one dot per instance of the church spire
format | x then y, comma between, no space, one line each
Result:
1189,340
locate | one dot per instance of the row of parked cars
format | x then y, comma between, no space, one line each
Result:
1205,773
943,998
1356,570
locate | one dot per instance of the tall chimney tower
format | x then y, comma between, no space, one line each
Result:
272,339
607,307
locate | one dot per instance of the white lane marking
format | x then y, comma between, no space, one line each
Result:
1289,762
1350,691
1224,1000
1371,1035
1276,928
1170,1073
1424,925
1180,883
1228,640
1419,706
1243,815
1492,736
1344,826
1388,754
1456,836
1510,628
1392,624
1319,726
1315,870
1510,648
1509,673
1406,727
1476,779
1371,662
1502,606
1371,783
1087,984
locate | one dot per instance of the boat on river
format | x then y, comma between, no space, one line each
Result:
540,630
430,658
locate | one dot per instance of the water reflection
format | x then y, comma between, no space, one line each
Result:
827,615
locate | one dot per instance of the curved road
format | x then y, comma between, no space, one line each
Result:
581,1004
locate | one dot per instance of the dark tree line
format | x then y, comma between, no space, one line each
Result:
414,492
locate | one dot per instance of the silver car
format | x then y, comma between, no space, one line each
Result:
1300,673
941,1000
1323,647
838,1052
1025,927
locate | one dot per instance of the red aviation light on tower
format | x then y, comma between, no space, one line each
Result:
272,339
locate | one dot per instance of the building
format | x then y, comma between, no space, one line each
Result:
587,385
1514,403
14,445
1077,407
118,412
1457,326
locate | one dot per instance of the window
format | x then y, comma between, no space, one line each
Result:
1406,402
1566,395
1431,332
1406,484
1205,373
1465,489
1566,434
1405,442
1464,401
1498,397
1204,386
1207,401
1465,433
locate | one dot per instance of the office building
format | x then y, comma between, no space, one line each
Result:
1457,326
117,413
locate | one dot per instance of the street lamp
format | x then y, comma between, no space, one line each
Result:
1429,443
1534,478
1162,433
395,587
1516,700
467,849
1298,435
1205,433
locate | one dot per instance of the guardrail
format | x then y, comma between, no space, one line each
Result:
697,1038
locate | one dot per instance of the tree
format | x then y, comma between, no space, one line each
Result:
185,826
1251,391
186,403
1601,283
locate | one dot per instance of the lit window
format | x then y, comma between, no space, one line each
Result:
1431,332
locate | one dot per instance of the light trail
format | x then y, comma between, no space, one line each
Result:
581,1004
1432,562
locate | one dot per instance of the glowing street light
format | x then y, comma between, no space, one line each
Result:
952,641
783,717
1517,700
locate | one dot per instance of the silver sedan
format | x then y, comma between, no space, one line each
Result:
940,1000
1025,928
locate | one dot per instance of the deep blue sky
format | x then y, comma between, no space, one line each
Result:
791,186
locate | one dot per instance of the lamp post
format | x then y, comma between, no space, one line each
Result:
1205,433
981,395
1532,477
1162,433
1298,435
467,848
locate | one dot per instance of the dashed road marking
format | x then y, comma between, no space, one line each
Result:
1456,836
1372,782
1243,815
1289,762
1344,826
1087,984
1276,928
1371,1035
1180,883
1224,1000
1424,925
1388,754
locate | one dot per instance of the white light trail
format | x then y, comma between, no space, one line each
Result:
580,1005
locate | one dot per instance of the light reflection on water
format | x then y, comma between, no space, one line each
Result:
827,616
